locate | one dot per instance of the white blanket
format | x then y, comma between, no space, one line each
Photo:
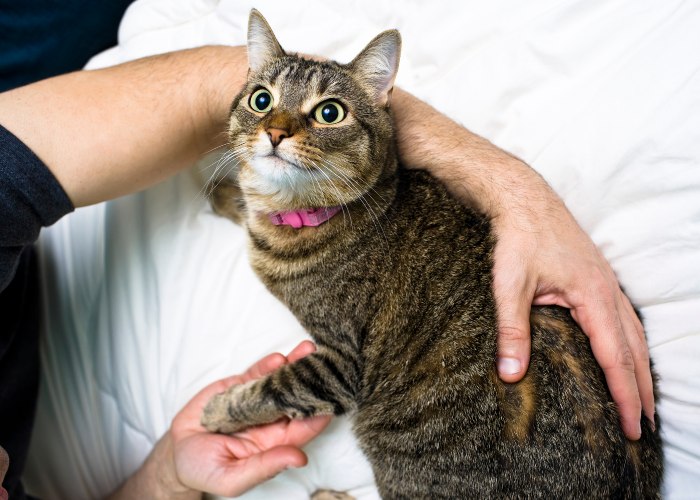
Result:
150,297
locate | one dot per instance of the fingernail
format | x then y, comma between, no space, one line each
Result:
509,366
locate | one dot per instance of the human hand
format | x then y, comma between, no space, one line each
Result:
230,465
543,257
188,459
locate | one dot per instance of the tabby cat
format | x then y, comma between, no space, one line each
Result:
392,278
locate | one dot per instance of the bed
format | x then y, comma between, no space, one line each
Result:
150,297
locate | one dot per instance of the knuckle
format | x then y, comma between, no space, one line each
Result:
512,334
625,360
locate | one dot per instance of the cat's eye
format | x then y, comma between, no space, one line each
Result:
329,113
261,101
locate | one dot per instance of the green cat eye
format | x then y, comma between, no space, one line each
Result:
329,113
261,101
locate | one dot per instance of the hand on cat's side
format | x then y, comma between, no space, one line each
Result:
542,256
189,460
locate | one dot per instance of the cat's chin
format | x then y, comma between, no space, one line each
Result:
279,178
278,172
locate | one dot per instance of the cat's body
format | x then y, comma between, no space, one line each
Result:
397,294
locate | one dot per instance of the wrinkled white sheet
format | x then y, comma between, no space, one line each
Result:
150,297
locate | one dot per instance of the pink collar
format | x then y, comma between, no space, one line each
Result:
306,217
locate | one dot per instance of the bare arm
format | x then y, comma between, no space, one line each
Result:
542,255
109,132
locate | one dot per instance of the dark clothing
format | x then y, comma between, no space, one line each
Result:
43,38
19,366
30,197
38,39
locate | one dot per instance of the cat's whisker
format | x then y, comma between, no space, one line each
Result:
218,167
343,206
204,192
373,191
225,144
319,154
229,159
353,186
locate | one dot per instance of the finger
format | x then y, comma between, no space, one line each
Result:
247,473
266,365
513,302
599,320
262,367
638,345
289,432
301,432
304,348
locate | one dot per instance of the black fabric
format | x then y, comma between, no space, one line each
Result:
19,367
38,39
30,197
43,38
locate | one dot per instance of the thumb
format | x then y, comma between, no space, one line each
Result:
263,466
513,333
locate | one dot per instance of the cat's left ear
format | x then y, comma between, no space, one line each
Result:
377,64
263,46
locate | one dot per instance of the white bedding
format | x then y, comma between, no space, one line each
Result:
150,297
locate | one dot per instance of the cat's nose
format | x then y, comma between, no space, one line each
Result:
276,135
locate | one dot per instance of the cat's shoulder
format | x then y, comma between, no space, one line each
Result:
420,192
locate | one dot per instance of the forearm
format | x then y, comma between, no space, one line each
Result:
156,478
473,169
109,132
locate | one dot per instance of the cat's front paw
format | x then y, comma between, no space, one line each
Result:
241,406
216,416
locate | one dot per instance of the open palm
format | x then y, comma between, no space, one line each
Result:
230,465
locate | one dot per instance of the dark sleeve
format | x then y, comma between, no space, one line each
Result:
30,198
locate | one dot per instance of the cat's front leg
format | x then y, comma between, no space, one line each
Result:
308,387
227,200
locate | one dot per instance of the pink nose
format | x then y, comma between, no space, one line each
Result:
276,135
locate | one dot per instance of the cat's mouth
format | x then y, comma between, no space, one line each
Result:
280,160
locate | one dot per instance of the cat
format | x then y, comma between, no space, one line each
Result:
392,278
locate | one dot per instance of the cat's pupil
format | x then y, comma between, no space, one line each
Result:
329,113
262,101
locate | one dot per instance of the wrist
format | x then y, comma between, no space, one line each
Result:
227,69
157,477
496,183
168,484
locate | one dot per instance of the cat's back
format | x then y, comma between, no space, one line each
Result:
434,417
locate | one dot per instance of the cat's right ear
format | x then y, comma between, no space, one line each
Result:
263,47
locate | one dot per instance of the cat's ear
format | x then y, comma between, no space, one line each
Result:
376,66
263,47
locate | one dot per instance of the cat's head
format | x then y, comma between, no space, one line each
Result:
309,133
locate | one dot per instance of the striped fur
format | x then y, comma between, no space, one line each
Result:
397,294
